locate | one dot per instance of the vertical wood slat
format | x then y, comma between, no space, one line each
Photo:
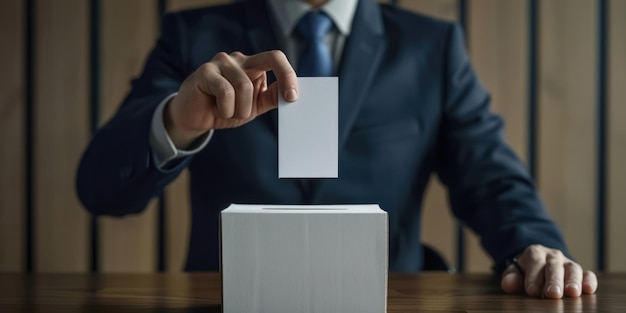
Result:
12,210
29,144
461,236
616,202
162,229
567,120
601,133
438,225
129,30
162,233
533,82
94,120
497,38
61,133
461,242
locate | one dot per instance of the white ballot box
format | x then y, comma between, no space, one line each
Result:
304,259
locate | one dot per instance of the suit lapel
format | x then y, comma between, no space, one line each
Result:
361,56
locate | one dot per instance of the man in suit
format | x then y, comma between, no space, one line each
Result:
410,105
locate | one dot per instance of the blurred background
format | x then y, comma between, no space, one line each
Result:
556,70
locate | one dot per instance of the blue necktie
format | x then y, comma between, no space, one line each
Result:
315,60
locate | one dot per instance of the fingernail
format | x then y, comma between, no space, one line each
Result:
291,95
572,286
556,290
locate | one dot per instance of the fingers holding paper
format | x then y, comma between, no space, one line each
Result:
229,91
548,273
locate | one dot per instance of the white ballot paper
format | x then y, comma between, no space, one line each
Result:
304,259
308,130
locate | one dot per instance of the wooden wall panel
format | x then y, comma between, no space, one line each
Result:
438,226
567,120
129,31
497,37
11,136
617,137
498,47
61,134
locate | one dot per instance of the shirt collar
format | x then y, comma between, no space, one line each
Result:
288,12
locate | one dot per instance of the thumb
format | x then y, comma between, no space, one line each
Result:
266,99
512,281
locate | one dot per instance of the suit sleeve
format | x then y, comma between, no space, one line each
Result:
117,174
490,189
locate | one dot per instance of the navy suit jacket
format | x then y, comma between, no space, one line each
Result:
410,104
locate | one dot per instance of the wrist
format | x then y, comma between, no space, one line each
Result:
181,138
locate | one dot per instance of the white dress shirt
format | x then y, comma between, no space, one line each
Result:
285,15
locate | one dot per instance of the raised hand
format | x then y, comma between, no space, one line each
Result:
229,91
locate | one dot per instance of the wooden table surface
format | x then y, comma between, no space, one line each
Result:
425,292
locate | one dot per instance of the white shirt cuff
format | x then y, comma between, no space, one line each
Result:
163,149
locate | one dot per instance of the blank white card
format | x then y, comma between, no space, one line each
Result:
308,130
